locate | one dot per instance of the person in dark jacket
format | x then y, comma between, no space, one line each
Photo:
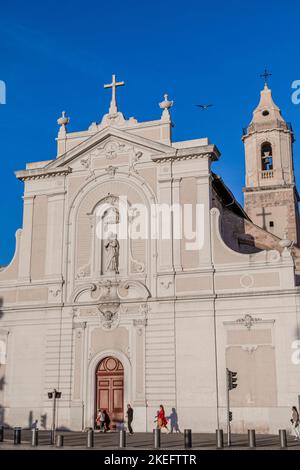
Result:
106,421
129,418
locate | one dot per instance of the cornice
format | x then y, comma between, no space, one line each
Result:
273,187
207,151
42,173
209,296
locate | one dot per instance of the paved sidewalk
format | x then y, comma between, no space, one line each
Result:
141,441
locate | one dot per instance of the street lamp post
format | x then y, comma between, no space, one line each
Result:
54,395
228,410
231,383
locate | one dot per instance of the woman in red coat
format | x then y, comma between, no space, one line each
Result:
161,419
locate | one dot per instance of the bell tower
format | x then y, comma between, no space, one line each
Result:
270,195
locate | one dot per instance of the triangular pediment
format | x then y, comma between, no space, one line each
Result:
99,141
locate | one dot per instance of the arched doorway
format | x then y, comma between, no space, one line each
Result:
110,388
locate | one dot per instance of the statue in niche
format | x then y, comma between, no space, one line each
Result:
112,249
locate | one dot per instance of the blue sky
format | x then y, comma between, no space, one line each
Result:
57,56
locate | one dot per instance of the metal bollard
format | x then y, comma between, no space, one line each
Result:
219,438
59,440
251,438
282,438
35,437
1,433
187,438
122,441
90,438
17,436
156,438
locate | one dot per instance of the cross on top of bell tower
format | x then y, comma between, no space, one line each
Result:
265,76
113,109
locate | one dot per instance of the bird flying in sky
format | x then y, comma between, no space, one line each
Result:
204,106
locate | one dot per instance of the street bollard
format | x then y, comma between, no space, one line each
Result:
156,438
251,438
90,438
282,438
35,437
1,433
219,438
59,440
187,438
122,440
17,436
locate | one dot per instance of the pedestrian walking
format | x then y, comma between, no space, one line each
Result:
173,418
101,421
162,422
129,418
35,424
106,421
295,422
98,420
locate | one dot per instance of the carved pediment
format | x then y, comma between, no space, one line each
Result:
111,149
108,142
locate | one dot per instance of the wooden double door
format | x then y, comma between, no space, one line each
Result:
110,389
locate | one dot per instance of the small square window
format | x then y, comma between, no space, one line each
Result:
271,223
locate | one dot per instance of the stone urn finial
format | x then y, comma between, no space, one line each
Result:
166,104
63,120
285,242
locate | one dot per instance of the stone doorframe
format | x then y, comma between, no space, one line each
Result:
90,383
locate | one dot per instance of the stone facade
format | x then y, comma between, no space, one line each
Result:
173,315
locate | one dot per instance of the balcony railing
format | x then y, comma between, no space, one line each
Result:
266,126
267,174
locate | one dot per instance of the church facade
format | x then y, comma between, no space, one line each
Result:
108,317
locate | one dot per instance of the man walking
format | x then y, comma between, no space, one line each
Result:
129,418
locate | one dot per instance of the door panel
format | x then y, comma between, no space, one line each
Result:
104,398
118,399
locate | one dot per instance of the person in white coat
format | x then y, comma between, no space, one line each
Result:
295,422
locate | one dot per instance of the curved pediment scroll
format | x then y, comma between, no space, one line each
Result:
131,289
83,293
111,291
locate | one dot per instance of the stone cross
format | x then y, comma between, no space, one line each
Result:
264,214
113,85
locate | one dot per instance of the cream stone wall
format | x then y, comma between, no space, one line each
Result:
188,195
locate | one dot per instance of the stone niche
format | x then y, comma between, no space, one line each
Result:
251,353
